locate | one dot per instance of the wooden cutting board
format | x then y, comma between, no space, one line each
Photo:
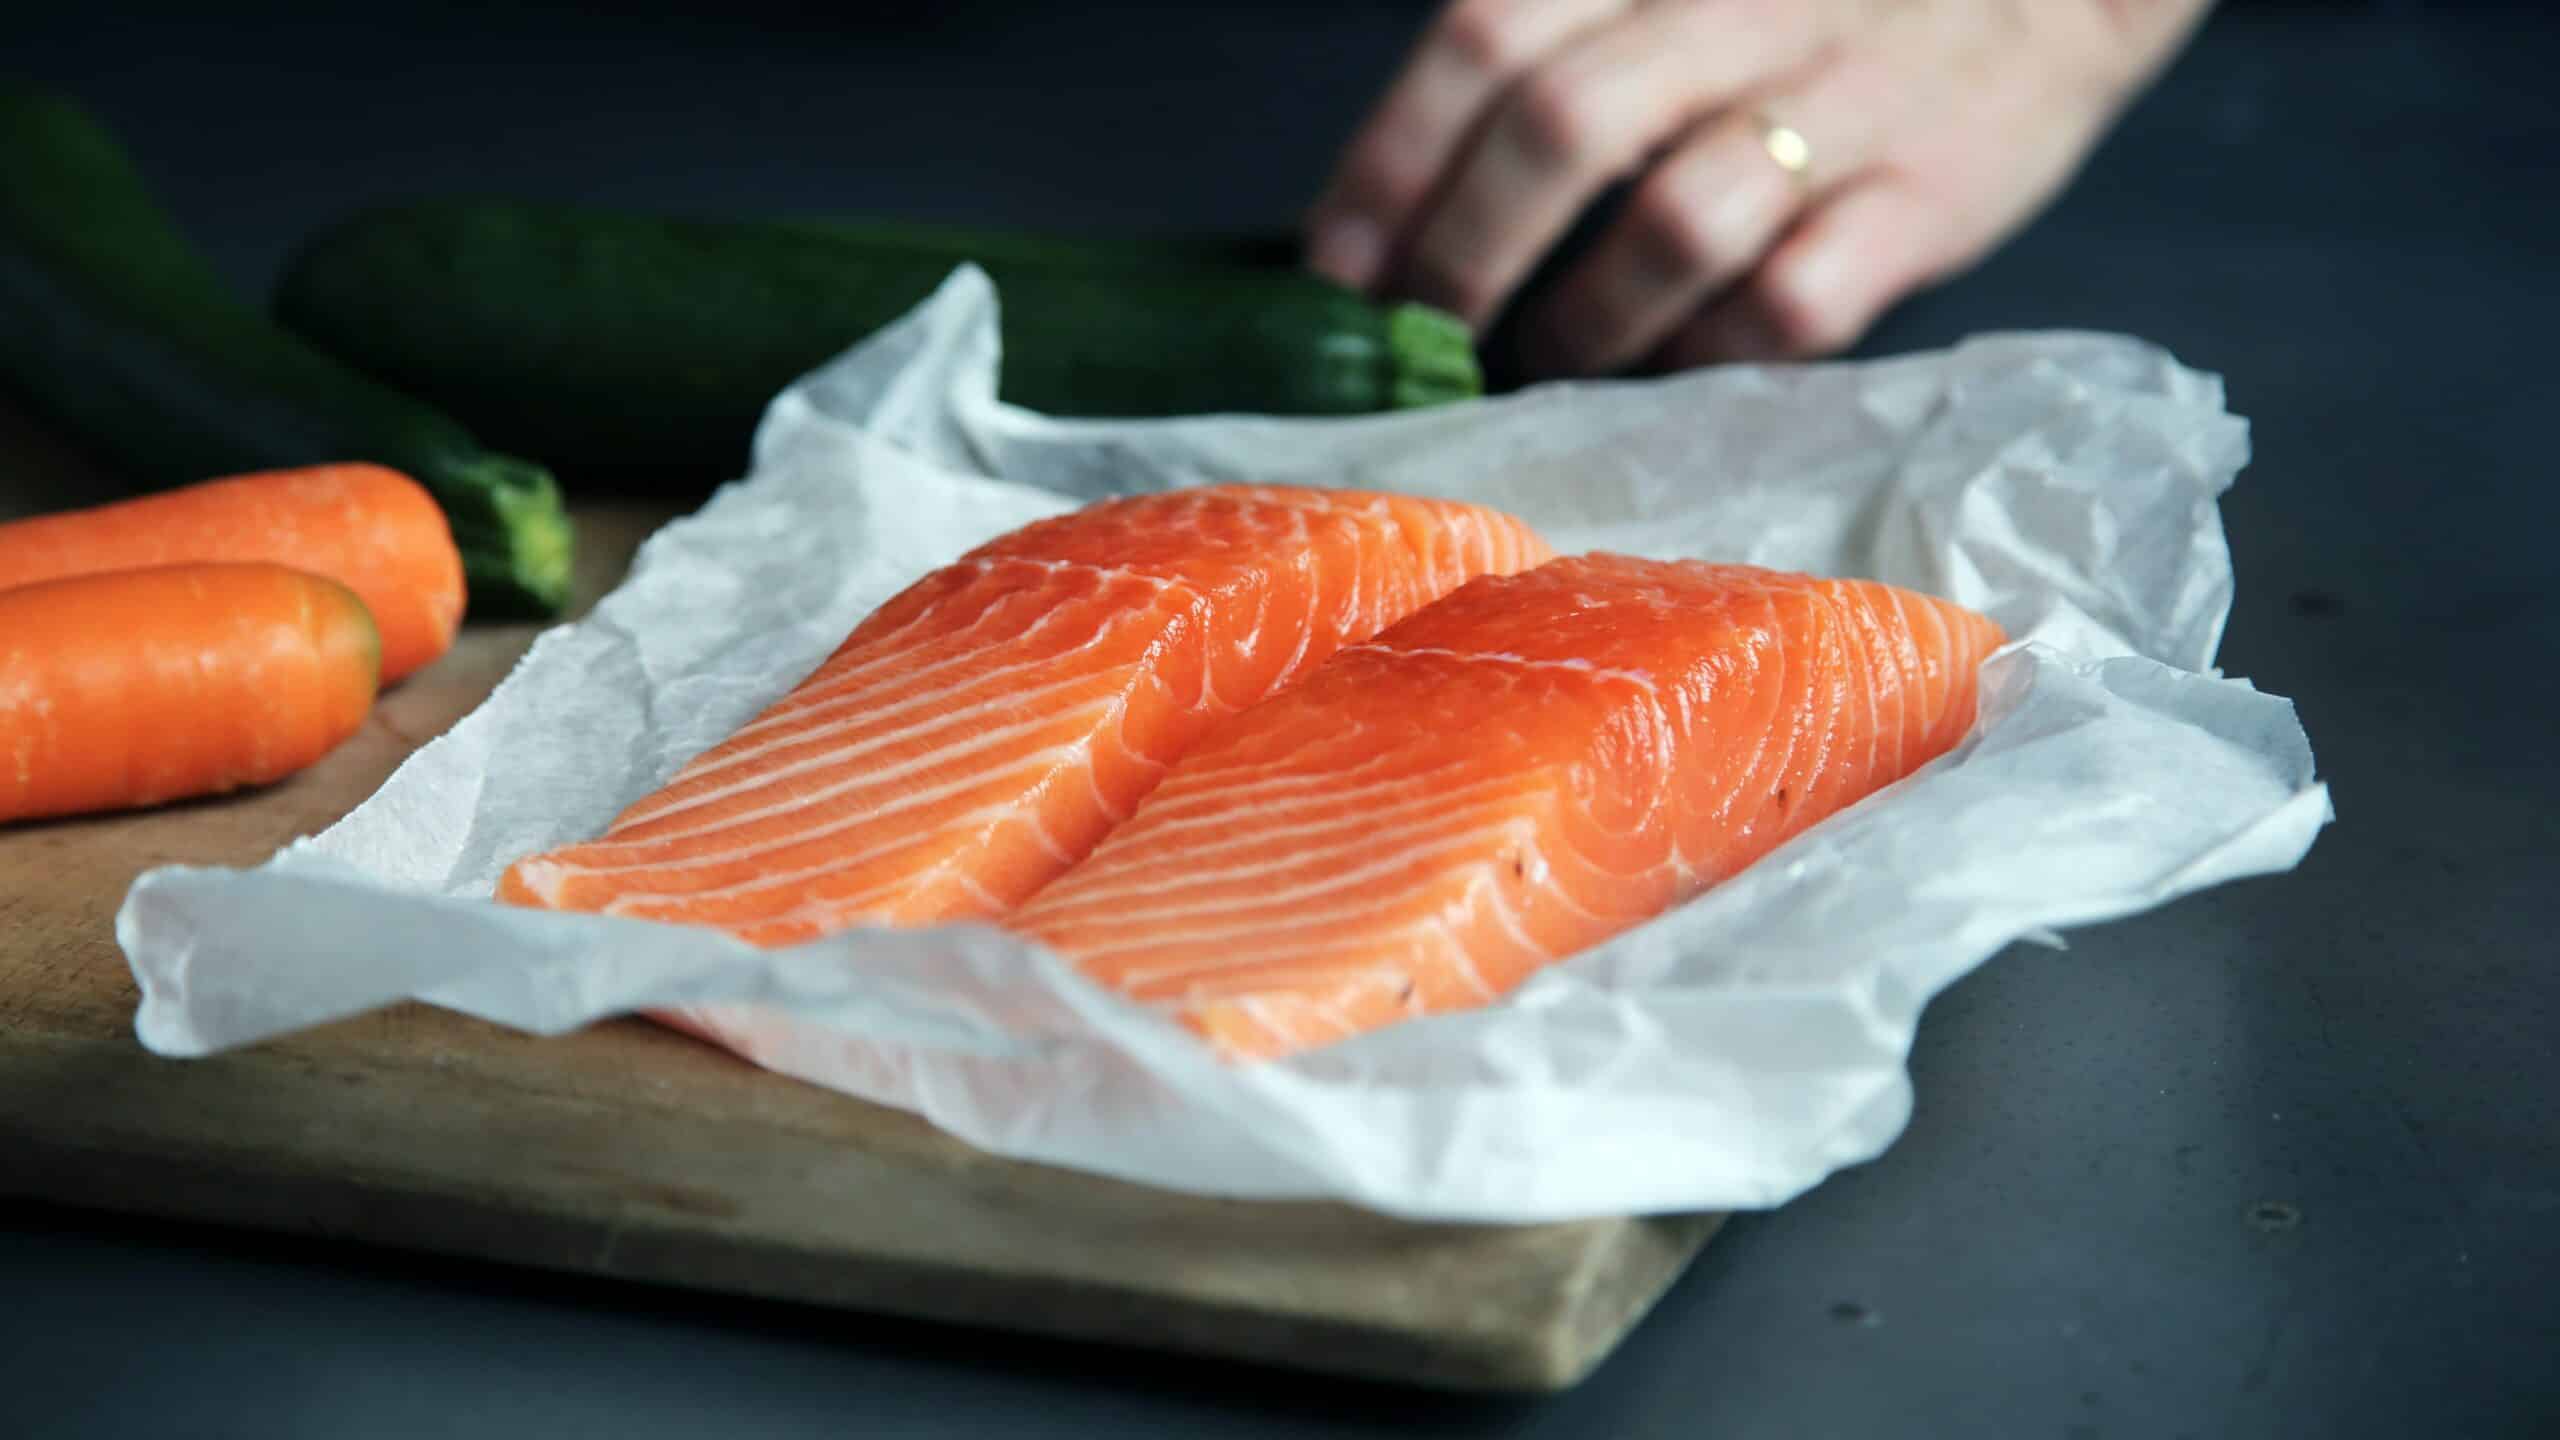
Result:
627,1150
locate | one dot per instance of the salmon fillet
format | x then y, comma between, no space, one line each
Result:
1518,772
981,731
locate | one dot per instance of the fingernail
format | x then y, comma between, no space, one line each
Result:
1347,249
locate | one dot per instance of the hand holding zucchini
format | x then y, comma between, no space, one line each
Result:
137,687
631,343
115,327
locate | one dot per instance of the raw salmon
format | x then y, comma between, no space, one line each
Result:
1520,771
980,732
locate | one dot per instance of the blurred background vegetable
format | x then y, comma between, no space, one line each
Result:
113,327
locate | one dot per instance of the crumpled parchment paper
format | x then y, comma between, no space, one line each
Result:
1729,1054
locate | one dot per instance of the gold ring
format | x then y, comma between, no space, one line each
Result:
1787,146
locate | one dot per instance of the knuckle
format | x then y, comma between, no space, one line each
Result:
1806,317
1555,114
1458,288
1484,35
1673,236
1798,27
1383,175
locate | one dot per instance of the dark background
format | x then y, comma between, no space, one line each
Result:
2279,1159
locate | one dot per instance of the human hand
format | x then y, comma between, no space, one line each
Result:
1797,165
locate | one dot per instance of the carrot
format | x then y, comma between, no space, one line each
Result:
141,686
367,527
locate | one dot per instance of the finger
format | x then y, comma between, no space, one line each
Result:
1704,216
1467,57
1820,288
1575,122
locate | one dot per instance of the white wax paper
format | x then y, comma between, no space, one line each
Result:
1729,1054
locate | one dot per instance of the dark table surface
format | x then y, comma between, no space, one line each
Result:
2283,1158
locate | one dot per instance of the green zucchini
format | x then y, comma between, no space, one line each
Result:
629,343
1122,249
112,325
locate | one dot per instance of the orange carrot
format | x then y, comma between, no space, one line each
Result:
369,528
140,686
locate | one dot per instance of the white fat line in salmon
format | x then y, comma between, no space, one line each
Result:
1400,955
1576,665
1857,665
1232,954
823,909
1763,731
1325,992
1053,566
850,687
1864,631
832,912
1256,1010
1238,971
984,739
1306,638
1250,642
878,654
1293,897
1243,824
853,746
989,816
1197,621
1910,687
868,780
1281,1016
882,649
1485,896
1876,650
1112,814
1349,603
1366,829
662,903
1437,934
1189,799
1049,763
968,886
